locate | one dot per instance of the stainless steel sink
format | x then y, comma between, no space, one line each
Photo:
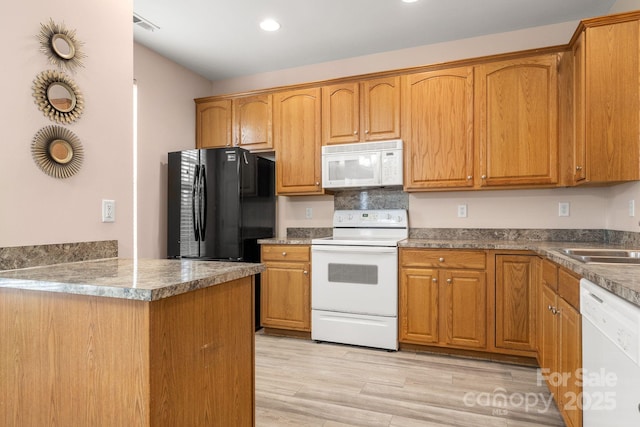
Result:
604,256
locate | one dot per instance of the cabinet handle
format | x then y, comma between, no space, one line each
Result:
441,259
549,307
484,177
578,168
434,280
449,281
284,254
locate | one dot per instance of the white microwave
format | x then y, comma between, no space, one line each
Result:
364,164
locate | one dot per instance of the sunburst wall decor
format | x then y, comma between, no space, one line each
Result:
61,46
57,96
57,151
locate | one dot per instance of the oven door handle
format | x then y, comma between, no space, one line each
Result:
355,249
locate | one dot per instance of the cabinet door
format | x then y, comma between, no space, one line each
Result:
612,121
252,117
285,296
515,302
296,132
517,131
381,109
464,305
213,124
549,343
570,362
437,119
418,301
340,113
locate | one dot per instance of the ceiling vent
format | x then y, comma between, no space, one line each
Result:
144,23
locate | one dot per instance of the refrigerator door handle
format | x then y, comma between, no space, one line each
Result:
194,194
203,202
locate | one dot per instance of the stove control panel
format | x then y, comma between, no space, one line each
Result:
388,218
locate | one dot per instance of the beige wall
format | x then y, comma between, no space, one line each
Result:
38,209
166,122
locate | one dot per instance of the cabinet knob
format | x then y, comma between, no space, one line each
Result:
355,132
317,183
449,281
469,177
366,131
441,259
549,307
578,168
484,177
284,254
305,272
434,280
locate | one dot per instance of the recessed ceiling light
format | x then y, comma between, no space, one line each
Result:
270,25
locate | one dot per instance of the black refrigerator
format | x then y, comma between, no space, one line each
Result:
220,201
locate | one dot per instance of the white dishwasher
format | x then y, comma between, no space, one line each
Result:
610,358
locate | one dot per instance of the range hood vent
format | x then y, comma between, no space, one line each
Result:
144,23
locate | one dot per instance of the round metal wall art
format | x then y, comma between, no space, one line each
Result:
61,46
57,151
57,96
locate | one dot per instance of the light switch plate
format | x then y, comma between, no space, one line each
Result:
108,211
462,211
563,209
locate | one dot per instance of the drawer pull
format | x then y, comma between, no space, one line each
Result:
284,254
441,259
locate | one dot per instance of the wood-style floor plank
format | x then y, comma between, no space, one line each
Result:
303,383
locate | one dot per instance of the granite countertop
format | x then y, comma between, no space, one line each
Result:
286,241
143,279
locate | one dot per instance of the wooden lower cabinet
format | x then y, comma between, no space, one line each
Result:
515,302
286,287
80,360
439,305
560,352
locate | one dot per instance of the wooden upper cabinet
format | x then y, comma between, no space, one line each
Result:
252,118
296,137
607,101
516,121
340,113
437,120
579,164
361,111
381,108
213,123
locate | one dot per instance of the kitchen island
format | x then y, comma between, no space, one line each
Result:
116,342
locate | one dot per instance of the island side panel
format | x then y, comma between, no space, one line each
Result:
202,357
72,360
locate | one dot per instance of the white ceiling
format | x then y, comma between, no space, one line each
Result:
220,39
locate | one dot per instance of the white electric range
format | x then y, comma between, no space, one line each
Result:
354,292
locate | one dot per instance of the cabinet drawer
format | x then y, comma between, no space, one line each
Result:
569,288
285,253
443,258
550,274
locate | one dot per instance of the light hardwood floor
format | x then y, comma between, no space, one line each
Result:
303,383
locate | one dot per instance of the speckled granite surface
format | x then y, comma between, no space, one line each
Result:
31,256
146,280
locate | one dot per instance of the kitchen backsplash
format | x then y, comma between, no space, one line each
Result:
377,198
37,255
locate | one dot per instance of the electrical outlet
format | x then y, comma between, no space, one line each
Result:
462,211
308,213
108,211
563,209
632,208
